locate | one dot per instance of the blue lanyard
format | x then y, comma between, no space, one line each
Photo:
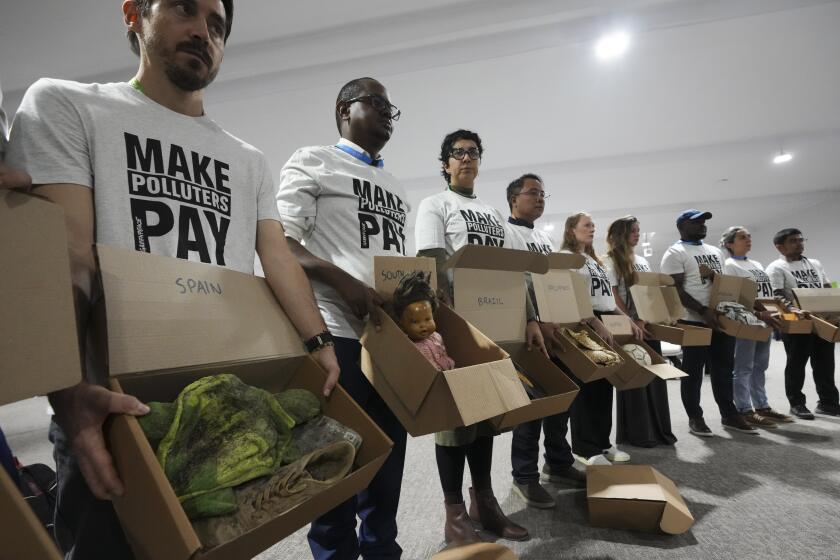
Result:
361,156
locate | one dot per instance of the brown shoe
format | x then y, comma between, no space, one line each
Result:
754,419
773,415
458,528
485,509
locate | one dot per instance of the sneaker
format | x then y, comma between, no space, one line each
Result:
616,455
801,411
698,427
827,409
773,415
754,419
568,476
534,495
594,460
738,424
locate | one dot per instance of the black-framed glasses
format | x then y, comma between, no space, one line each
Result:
535,193
379,103
459,153
797,239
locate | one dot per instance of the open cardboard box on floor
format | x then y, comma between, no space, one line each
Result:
633,375
738,290
483,384
477,551
490,291
789,323
635,497
170,322
824,305
658,304
38,341
563,298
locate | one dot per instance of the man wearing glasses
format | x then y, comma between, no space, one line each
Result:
795,270
345,208
526,199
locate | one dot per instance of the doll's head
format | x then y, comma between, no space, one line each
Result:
414,306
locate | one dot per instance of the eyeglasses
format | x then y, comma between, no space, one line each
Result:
380,104
798,239
459,153
536,194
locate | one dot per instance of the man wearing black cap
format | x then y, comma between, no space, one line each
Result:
693,265
794,270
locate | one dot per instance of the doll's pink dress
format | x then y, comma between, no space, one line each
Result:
435,351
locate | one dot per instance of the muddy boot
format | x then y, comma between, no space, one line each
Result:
458,528
485,509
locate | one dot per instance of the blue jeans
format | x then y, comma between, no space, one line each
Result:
751,361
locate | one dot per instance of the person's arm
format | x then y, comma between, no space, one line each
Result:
444,289
12,178
82,409
709,315
293,291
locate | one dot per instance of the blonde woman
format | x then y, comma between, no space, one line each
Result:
642,415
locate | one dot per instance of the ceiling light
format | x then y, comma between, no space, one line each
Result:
612,45
783,157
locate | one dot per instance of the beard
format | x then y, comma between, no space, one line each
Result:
193,75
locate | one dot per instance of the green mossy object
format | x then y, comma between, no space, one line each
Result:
157,422
223,433
300,404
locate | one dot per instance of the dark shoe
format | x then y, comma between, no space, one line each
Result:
827,409
568,476
801,411
773,415
754,419
698,427
458,528
534,495
485,509
738,424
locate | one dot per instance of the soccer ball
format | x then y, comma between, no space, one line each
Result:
637,353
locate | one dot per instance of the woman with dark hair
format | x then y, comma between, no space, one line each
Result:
591,412
751,357
643,415
446,222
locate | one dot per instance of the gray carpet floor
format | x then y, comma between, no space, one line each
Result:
776,495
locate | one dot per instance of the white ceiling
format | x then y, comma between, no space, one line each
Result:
690,116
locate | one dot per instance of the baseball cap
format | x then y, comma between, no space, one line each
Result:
692,214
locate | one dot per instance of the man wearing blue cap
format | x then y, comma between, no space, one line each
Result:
693,265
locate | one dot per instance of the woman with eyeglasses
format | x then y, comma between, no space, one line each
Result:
643,416
751,357
591,412
446,222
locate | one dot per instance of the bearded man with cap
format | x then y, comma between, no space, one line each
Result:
693,264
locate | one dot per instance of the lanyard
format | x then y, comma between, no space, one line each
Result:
361,156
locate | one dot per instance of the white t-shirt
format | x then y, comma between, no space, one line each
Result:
162,182
600,289
449,221
804,273
686,258
640,264
748,268
344,211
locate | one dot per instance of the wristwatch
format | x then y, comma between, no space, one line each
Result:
319,341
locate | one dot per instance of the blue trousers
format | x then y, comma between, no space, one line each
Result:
333,535
751,361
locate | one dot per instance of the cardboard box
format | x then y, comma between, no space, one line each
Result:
633,375
658,304
738,290
425,400
36,299
490,292
563,298
635,497
477,551
170,322
822,303
791,325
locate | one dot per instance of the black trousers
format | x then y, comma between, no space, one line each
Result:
719,357
800,348
591,416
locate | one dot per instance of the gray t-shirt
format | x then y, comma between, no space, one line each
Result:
162,182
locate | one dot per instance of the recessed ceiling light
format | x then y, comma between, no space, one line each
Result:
612,45
783,157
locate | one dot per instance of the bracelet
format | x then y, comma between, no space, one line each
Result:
319,341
